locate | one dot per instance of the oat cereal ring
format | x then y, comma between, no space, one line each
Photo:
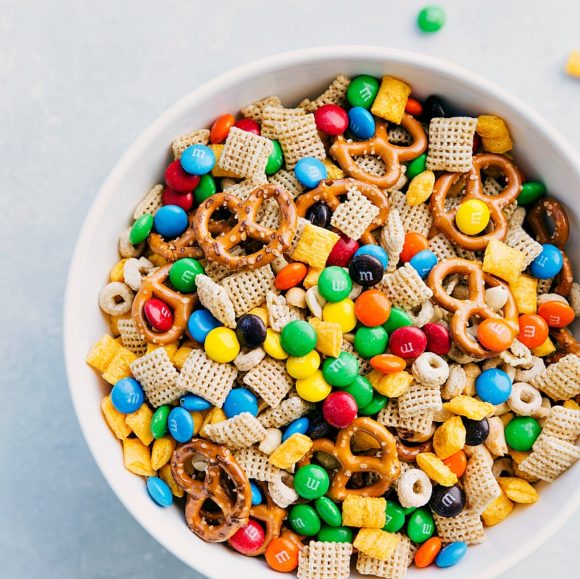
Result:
528,373
126,248
425,314
430,369
116,298
524,400
503,467
135,270
414,488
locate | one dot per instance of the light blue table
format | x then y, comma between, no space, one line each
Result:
78,82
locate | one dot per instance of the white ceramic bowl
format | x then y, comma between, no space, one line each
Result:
540,151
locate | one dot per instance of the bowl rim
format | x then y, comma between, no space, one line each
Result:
257,68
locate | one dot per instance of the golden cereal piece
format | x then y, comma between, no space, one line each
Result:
290,451
376,543
545,349
525,291
114,323
436,469
449,438
315,245
497,510
366,512
494,133
312,276
102,353
166,476
329,339
214,416
391,385
262,313
503,261
140,423
332,171
137,457
161,451
573,63
181,356
518,490
420,188
391,100
117,271
120,366
571,405
218,171
518,456
114,419
469,407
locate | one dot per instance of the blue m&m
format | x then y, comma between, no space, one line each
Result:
180,424
127,395
493,386
170,221
310,171
548,264
159,491
197,160
299,426
361,123
240,400
423,262
256,494
194,403
451,555
200,324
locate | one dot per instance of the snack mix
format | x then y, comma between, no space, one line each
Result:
340,331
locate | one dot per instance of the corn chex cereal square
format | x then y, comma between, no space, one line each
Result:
395,567
418,399
323,560
202,376
256,465
248,289
255,110
561,381
355,216
245,154
289,410
519,240
550,457
335,94
562,423
466,527
390,102
241,431
150,204
270,381
389,416
481,486
287,180
272,117
299,138
216,299
417,218
451,144
199,137
405,288
358,511
314,245
130,337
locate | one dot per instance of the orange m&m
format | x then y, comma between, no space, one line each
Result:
557,314
372,308
414,243
220,129
282,554
427,552
388,363
290,275
495,334
533,330
457,462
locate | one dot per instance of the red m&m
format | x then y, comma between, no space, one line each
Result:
339,409
158,314
248,539
438,338
342,251
331,119
408,342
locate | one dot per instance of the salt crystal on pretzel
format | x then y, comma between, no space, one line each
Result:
246,155
335,94
324,560
270,381
151,203
561,381
481,487
158,377
287,180
466,527
289,410
562,423
389,416
405,288
241,431
419,399
550,457
395,567
245,361
211,380
279,312
255,110
216,299
299,138
356,215
273,116
417,218
199,137
256,466
130,337
451,144
248,289
392,239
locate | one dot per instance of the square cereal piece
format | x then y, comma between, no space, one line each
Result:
256,465
241,431
466,527
199,137
299,138
217,170
469,407
273,116
405,288
270,381
525,292
480,485
395,567
391,100
130,337
355,216
245,155
291,451
161,451
248,289
255,110
140,423
418,399
494,133
166,476
215,298
213,416
287,180
158,377
451,144
137,457
358,511
150,204
417,218
335,94
102,353
114,419
289,410
562,423
377,543
120,366
503,261
550,457
279,312
573,63
329,337
324,560
202,376
561,381
517,238
314,246
389,416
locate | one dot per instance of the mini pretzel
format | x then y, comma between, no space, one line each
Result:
277,241
386,465
225,485
330,191
344,152
185,245
565,343
181,305
475,305
559,237
408,453
444,220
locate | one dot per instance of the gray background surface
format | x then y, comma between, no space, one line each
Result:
78,82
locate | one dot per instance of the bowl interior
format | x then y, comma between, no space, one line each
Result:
540,152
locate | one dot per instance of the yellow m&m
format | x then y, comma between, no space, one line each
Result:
221,345
314,388
472,217
341,313
272,345
303,366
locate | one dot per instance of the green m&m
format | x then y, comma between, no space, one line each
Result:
311,481
416,166
361,390
398,318
521,432
205,188
335,535
341,371
304,520
531,191
275,160
298,338
183,272
328,511
369,342
431,18
141,229
159,421
421,525
375,405
362,91
334,283
395,517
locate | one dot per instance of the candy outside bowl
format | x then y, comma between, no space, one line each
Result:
540,151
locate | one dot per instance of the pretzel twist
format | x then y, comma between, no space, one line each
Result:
344,152
444,220
225,484
408,452
565,344
276,240
537,220
475,305
386,464
330,192
181,305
